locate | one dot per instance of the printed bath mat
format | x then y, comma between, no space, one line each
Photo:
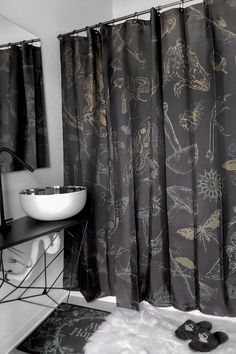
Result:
65,331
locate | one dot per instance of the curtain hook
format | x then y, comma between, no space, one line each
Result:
159,10
182,5
135,16
113,22
98,26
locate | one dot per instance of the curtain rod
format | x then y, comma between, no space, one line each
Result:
20,42
118,19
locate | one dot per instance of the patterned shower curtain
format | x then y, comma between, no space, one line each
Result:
149,128
22,110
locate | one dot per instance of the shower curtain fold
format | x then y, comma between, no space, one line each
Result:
148,124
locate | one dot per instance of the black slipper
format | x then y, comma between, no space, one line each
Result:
205,341
189,328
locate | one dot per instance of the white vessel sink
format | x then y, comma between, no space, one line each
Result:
53,203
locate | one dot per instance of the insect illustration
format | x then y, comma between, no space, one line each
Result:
218,62
227,35
139,153
184,159
168,26
189,120
204,231
220,24
120,44
138,89
230,253
183,65
220,106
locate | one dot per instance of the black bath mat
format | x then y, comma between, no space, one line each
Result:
65,331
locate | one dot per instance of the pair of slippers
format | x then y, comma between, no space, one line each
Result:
201,339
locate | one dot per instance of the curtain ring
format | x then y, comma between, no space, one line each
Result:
113,22
159,10
182,5
135,16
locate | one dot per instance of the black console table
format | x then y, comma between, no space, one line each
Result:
26,229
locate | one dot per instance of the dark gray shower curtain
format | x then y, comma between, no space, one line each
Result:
149,128
22,110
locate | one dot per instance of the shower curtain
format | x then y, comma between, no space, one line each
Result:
149,128
22,110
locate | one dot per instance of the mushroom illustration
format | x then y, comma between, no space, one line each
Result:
183,160
183,199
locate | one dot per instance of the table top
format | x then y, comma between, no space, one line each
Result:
25,229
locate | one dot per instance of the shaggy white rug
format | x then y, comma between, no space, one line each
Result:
151,331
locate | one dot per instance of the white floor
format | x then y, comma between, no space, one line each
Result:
227,324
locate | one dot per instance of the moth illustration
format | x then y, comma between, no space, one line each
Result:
204,231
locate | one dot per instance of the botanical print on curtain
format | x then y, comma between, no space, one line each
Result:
22,110
148,114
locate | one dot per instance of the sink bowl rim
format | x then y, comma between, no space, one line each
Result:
52,190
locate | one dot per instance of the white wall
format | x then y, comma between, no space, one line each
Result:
10,32
45,19
124,7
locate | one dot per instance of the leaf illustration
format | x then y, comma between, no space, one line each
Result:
206,292
187,233
103,118
186,262
216,271
161,295
230,165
